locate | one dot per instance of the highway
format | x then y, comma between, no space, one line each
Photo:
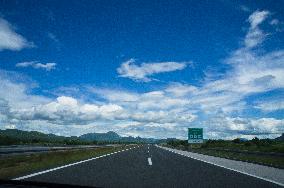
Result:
148,166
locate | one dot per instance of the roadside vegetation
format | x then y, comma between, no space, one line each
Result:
19,165
261,151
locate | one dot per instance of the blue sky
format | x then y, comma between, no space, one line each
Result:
143,68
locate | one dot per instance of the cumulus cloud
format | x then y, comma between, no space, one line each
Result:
142,72
24,108
230,127
37,65
67,110
160,113
9,39
216,104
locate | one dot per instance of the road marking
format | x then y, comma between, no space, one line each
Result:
68,165
265,179
149,161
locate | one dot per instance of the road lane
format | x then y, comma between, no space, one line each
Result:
131,169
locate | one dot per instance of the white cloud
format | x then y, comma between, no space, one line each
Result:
114,95
37,65
181,90
274,22
15,89
271,105
67,101
216,104
250,73
53,37
26,108
257,18
255,36
9,39
228,127
55,40
142,72
67,110
244,8
10,126
159,113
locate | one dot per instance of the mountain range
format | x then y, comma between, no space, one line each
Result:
15,136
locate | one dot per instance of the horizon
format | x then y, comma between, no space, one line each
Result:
121,136
147,69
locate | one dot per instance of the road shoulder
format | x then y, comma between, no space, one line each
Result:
266,173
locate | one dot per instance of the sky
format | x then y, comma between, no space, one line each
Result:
143,68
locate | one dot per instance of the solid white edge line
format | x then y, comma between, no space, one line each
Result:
64,166
149,161
265,179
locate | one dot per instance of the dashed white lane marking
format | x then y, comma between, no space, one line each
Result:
262,178
68,165
150,161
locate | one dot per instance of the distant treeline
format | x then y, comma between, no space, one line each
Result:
14,137
256,144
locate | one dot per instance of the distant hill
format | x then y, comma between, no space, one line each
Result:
15,136
280,138
29,135
139,140
109,136
114,137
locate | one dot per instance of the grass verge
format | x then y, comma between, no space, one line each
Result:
267,160
18,165
274,161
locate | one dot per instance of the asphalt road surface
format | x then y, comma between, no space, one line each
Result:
153,167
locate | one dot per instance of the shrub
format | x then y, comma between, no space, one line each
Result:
236,141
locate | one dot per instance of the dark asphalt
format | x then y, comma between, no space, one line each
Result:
131,169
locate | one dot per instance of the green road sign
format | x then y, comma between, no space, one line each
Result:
195,135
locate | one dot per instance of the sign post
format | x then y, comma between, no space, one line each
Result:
195,135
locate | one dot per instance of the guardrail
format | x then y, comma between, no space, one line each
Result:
5,151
